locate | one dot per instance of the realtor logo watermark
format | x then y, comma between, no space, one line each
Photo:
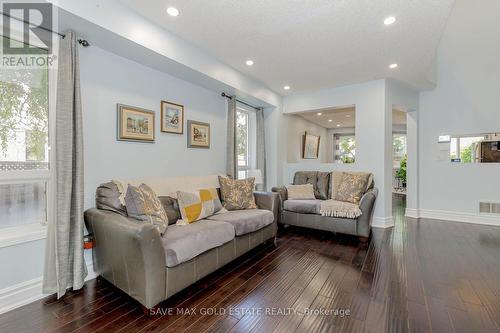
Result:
27,37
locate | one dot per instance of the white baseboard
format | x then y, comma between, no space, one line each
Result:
487,219
412,212
29,291
383,222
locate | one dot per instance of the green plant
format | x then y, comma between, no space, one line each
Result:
401,173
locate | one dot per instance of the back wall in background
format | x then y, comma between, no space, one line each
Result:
108,79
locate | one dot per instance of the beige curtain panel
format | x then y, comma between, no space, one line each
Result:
231,158
64,262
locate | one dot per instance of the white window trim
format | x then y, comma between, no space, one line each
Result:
251,138
11,236
22,234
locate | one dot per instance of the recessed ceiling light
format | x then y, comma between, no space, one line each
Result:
319,113
330,120
393,66
286,87
348,116
172,11
338,125
249,62
389,20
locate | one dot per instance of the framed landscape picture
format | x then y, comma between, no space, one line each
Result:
172,118
135,124
310,146
198,134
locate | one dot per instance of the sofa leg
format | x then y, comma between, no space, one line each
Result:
275,241
149,312
363,239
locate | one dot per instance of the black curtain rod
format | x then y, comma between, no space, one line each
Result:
83,42
240,101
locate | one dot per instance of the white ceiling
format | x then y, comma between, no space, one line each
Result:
343,117
311,44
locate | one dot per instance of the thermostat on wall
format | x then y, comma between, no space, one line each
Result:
444,139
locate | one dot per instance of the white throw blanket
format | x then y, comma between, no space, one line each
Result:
340,209
122,189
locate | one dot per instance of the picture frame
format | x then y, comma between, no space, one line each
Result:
198,134
135,124
310,146
172,117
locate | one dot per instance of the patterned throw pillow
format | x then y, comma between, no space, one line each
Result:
143,205
237,194
352,187
197,205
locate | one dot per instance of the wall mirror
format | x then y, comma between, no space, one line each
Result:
472,148
336,129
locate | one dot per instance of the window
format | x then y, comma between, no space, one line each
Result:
398,148
245,140
345,148
24,146
463,149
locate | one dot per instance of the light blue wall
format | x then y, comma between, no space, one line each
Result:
107,79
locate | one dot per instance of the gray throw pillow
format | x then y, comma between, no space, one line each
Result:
322,185
143,205
107,197
171,207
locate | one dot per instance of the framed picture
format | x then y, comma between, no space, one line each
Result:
172,118
135,124
310,146
198,134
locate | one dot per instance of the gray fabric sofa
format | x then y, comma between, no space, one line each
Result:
306,213
133,256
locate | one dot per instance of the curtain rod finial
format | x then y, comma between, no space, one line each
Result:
84,42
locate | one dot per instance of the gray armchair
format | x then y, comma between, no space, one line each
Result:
311,218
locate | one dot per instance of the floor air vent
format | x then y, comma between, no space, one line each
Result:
489,208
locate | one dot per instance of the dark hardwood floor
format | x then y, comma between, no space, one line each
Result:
419,276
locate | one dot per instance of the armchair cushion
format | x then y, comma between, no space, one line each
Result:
303,206
352,187
300,192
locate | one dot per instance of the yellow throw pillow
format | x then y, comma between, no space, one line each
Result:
197,205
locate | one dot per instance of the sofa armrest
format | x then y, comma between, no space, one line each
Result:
268,201
282,193
366,205
129,254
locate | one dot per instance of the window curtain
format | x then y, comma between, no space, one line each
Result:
64,262
260,157
231,157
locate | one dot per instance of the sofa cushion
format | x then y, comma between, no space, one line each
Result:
237,193
305,177
245,221
197,205
171,207
303,206
183,243
352,187
107,197
143,205
322,185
